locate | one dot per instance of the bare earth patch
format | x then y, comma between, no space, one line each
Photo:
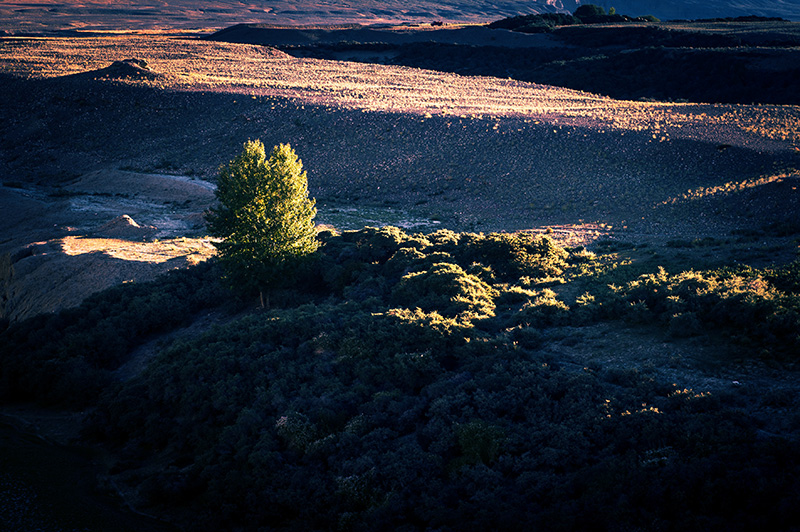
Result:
467,153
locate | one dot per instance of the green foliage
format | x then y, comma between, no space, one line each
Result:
265,217
513,256
448,289
421,384
589,10
786,278
742,302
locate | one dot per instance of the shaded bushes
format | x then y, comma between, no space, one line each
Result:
68,357
327,416
541,23
546,22
406,383
744,303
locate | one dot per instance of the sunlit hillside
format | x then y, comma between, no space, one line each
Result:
530,307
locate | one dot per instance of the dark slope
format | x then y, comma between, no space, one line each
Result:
719,62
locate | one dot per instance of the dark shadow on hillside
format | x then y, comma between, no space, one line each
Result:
468,173
713,63
768,207
50,276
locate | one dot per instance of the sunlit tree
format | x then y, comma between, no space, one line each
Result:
265,218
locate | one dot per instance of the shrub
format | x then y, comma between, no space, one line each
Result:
589,10
740,301
447,289
377,244
513,256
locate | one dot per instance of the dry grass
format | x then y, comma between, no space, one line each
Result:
150,15
193,65
474,153
735,186
193,250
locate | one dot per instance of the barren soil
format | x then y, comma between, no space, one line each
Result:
85,141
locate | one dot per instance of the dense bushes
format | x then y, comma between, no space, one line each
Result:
534,23
69,357
589,10
406,383
338,417
743,303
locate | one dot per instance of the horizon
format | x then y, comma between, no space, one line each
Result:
43,16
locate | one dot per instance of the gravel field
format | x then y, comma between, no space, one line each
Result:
86,140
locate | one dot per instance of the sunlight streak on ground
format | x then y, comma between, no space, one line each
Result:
194,250
196,65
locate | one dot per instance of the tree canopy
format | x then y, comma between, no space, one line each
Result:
265,217
589,10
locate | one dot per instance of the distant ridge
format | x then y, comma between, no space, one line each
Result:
696,9
20,17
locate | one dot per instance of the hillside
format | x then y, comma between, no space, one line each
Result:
589,319
696,9
357,127
447,380
753,61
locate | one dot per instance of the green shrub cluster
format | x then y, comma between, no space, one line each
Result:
404,383
759,310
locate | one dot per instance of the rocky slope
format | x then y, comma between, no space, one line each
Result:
86,144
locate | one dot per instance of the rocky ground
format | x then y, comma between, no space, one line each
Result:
88,137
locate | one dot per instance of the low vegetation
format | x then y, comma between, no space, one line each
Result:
547,22
403,382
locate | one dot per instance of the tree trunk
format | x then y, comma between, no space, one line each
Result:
264,299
